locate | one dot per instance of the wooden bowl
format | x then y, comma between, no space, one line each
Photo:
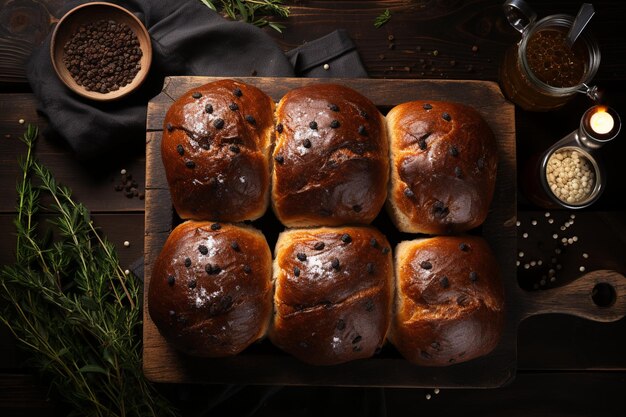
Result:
88,13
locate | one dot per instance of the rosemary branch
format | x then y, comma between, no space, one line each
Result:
256,12
68,302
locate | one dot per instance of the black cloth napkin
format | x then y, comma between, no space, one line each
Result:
187,39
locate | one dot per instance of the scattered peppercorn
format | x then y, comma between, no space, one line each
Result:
233,106
203,249
334,107
335,124
427,106
335,263
237,92
446,117
180,150
301,256
409,193
306,143
250,119
345,238
196,95
362,131
296,271
218,123
279,128
280,159
319,245
216,226
208,108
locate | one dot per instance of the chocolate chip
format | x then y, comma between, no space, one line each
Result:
453,151
369,305
356,208
237,92
218,123
421,142
373,242
345,238
313,125
169,127
480,163
171,280
462,300
250,119
234,148
187,262
192,284
335,263
203,249
473,276
426,265
319,245
457,172
301,256
335,124
370,267
180,150
296,271
279,128
362,131
446,117
280,159
363,114
190,164
386,250
409,193
208,108
445,283
235,246
357,339
306,143
196,95
440,210
216,226
427,106
341,324
247,269
464,246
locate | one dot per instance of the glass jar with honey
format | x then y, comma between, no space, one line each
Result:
541,72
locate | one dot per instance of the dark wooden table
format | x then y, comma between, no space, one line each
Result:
567,366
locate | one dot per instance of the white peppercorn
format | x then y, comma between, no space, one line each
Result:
570,176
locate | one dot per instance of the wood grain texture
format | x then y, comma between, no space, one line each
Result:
419,28
93,183
264,364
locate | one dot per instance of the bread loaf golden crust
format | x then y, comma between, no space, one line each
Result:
210,293
333,293
443,167
449,305
216,145
331,158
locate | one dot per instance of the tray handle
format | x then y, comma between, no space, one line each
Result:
598,295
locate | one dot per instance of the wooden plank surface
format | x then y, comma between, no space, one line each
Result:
264,364
417,29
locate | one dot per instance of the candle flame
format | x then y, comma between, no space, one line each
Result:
601,122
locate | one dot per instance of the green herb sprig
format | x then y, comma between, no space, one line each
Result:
256,12
381,19
69,303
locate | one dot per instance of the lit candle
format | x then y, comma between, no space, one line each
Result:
601,122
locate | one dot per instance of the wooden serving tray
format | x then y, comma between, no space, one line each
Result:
263,363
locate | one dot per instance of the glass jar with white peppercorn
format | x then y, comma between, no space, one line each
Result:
570,174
